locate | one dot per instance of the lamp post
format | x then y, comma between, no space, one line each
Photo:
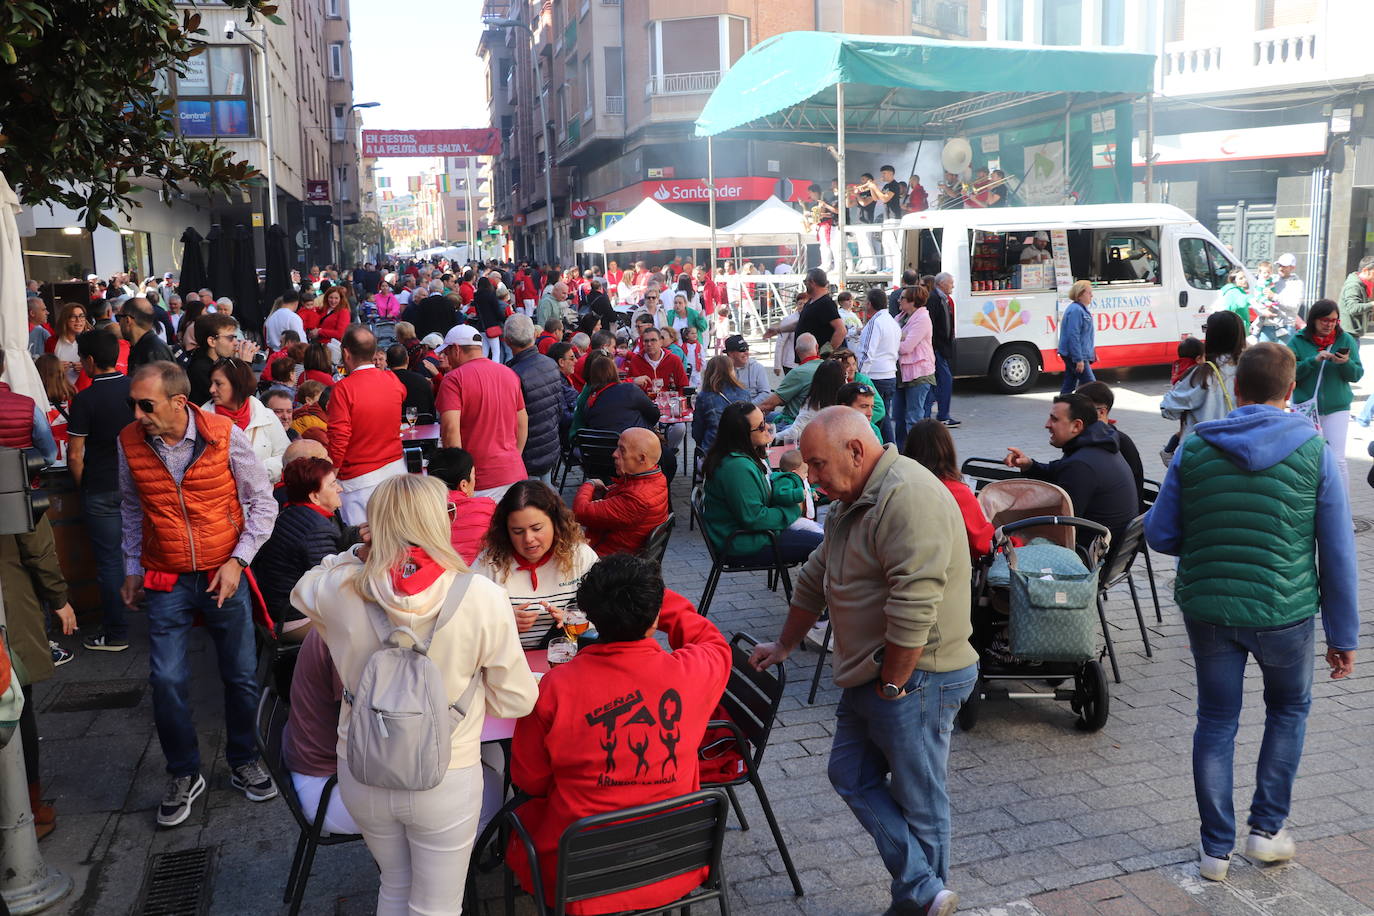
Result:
338,195
261,47
550,242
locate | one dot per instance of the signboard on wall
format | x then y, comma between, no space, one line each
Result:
317,190
482,141
1045,182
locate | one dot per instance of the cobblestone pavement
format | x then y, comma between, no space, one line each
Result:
1047,819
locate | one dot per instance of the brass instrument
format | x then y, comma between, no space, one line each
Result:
812,218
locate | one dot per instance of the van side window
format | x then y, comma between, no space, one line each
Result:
1204,266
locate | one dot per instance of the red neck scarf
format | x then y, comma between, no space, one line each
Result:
240,416
1324,342
318,508
532,568
417,573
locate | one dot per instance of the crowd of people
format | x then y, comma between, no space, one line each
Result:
254,480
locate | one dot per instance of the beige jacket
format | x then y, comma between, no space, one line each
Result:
894,567
480,636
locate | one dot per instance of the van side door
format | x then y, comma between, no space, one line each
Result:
1203,267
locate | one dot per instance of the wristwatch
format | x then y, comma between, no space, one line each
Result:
890,691
243,564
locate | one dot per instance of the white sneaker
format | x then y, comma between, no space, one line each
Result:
1213,868
944,904
1265,847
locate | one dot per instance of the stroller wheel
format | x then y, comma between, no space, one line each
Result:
967,716
1091,700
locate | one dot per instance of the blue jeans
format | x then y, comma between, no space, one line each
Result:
907,739
169,631
944,389
1284,655
103,526
1366,413
887,390
1074,378
794,545
911,407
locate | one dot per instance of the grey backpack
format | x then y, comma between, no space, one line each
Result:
400,732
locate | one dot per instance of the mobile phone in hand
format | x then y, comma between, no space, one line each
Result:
1343,351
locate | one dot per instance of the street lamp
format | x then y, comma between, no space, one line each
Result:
230,29
338,196
550,241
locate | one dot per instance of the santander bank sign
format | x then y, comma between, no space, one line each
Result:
694,190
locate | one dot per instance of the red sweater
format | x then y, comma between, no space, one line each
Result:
622,520
333,325
468,527
310,318
364,417
618,726
669,369
976,524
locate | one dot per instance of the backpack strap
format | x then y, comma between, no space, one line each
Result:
386,630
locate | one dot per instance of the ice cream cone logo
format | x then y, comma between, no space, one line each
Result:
1001,316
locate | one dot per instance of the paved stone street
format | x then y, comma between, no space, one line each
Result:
1047,819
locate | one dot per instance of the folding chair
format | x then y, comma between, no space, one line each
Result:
751,704
632,848
1116,567
591,450
722,563
820,664
271,719
983,471
657,545
1147,501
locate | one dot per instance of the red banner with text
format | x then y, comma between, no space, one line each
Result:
482,141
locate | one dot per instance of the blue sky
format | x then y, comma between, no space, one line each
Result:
418,58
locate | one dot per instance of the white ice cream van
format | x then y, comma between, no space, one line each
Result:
1156,273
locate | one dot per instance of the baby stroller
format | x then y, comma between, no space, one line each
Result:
1034,602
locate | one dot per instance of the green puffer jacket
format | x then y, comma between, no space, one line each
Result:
1242,522
738,498
1336,394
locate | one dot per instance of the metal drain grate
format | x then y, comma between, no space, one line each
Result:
1362,525
178,884
80,696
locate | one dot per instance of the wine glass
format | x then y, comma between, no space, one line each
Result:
412,416
561,651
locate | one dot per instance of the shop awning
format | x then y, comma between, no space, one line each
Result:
785,87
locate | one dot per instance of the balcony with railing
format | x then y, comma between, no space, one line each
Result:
1292,56
941,15
572,137
681,83
615,105
570,36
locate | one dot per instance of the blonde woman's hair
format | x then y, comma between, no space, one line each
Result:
404,512
1078,289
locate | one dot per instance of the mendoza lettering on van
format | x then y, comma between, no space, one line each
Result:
1117,313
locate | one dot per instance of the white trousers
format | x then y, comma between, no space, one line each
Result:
868,252
494,493
336,816
892,250
356,490
822,234
421,841
1335,427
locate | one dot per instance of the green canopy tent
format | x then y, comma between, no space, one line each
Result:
822,87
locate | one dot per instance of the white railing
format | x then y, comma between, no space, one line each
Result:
1271,57
682,83
615,104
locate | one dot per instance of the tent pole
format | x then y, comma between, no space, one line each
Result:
711,205
841,198
1149,150
1068,137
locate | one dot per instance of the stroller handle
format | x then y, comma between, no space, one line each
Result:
1070,520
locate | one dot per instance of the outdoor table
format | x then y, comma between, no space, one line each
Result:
423,432
664,422
494,729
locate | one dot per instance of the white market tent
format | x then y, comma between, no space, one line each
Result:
770,223
457,253
650,226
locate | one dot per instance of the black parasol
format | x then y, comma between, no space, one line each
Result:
218,261
278,278
243,281
193,274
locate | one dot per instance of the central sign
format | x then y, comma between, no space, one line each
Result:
481,141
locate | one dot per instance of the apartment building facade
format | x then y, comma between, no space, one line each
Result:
621,83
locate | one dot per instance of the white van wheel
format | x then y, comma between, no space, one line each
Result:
1015,368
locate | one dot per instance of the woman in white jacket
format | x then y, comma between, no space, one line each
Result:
231,395
1207,392
420,840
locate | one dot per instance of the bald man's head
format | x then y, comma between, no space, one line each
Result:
637,451
304,448
840,452
806,346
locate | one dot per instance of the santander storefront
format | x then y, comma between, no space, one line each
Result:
694,191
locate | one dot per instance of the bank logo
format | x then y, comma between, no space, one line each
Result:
1001,316
662,193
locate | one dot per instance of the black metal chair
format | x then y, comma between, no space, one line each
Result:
823,651
657,545
271,719
591,450
1116,568
1147,501
721,562
985,470
751,703
631,848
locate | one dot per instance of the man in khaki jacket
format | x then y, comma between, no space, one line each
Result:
894,571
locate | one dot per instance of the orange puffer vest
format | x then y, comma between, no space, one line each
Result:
194,526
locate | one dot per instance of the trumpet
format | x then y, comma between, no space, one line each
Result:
812,217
